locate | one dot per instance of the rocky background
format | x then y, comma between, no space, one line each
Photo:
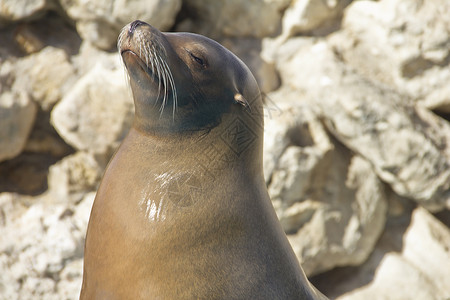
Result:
357,138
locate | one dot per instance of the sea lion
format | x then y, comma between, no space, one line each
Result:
182,211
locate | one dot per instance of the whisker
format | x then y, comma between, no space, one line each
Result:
163,78
159,71
120,40
153,55
165,88
174,91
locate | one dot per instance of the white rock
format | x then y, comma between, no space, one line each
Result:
249,51
75,174
396,279
306,65
69,285
235,18
16,10
345,229
100,21
427,248
330,203
46,76
17,114
83,211
17,230
42,247
325,191
12,207
38,227
60,244
9,285
19,238
404,44
294,134
305,16
396,138
90,56
96,113
37,288
373,121
420,271
438,100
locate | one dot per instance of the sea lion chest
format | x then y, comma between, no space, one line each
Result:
171,217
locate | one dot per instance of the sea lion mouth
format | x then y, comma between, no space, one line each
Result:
145,51
144,66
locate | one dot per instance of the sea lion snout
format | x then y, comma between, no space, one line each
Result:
133,25
141,27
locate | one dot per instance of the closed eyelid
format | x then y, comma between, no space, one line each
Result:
199,58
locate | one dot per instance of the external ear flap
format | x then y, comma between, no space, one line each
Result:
238,98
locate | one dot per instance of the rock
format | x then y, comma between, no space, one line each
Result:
330,203
427,249
42,247
396,279
97,112
46,76
69,285
90,56
8,284
404,44
17,113
306,65
306,16
249,51
44,139
82,213
374,121
99,22
438,100
234,18
16,10
35,288
7,62
397,139
26,174
12,207
297,133
31,229
350,126
74,176
50,31
419,271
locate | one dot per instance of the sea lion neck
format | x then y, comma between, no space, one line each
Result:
234,142
186,120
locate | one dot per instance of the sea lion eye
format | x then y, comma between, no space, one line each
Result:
198,60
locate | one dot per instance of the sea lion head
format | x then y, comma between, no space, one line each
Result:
185,82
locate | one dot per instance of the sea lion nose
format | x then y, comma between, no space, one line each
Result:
134,25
